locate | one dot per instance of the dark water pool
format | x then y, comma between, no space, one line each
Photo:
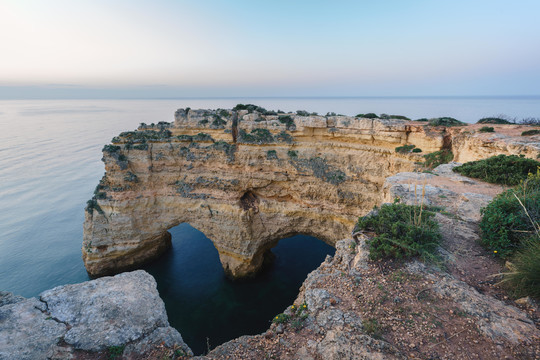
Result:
203,304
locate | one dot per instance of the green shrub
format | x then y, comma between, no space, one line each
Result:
493,120
402,231
486,129
422,119
368,116
505,224
500,169
416,150
530,132
292,153
437,158
111,148
405,149
523,279
257,136
115,351
271,155
288,121
302,113
445,121
399,117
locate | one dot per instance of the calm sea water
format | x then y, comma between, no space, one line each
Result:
50,153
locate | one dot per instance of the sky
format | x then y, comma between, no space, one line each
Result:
214,48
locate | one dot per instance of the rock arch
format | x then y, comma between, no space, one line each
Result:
277,177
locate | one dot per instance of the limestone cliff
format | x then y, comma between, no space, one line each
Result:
244,179
248,178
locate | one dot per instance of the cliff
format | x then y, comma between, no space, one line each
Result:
245,180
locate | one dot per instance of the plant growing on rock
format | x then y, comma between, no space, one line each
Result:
401,231
486,129
405,149
493,120
530,132
445,121
510,218
437,158
368,116
500,169
257,136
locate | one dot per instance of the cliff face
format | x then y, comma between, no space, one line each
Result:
245,180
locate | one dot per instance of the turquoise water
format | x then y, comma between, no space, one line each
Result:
50,153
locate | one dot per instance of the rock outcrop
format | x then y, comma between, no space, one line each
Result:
124,311
245,180
248,178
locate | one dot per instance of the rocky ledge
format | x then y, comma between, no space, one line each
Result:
123,313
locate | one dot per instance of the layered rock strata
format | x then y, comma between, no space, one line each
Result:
244,179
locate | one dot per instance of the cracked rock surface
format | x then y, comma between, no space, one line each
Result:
112,311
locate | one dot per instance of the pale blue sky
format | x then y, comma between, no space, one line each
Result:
159,48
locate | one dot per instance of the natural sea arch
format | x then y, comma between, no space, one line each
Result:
202,302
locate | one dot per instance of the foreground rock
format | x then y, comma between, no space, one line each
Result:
94,316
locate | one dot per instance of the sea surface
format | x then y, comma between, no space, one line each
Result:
50,153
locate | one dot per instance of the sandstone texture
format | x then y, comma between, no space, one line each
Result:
245,180
92,317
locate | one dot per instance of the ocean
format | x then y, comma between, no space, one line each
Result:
50,153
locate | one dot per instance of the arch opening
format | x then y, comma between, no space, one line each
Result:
202,302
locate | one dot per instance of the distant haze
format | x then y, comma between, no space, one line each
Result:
166,48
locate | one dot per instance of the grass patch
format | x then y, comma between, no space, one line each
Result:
484,129
530,132
402,231
500,169
523,279
372,328
437,158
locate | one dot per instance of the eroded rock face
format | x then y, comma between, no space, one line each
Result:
91,316
245,180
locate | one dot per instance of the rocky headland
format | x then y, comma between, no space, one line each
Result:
247,179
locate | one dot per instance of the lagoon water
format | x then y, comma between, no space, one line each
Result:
50,153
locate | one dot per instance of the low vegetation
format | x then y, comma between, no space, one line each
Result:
493,120
257,136
486,129
405,149
437,158
530,132
523,279
251,108
445,121
500,169
512,217
368,116
401,231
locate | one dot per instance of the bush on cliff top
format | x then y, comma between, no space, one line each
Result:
493,120
505,224
500,169
445,121
402,231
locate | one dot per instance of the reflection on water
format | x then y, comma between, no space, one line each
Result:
201,303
